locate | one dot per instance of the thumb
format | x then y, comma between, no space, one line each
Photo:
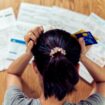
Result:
82,44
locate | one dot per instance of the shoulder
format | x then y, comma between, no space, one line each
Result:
95,99
15,96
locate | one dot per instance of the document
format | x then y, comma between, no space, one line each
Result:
98,20
34,14
16,48
84,74
7,21
96,24
64,19
97,54
50,17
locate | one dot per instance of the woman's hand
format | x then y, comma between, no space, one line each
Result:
84,48
31,37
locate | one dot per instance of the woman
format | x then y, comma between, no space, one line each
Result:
56,54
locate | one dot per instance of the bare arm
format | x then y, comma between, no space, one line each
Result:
96,71
16,69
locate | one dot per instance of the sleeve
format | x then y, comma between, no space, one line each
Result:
14,96
95,99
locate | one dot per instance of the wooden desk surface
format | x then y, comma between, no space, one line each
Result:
30,79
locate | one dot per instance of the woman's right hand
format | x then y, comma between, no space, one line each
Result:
84,48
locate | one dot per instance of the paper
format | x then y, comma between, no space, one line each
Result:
7,18
16,48
50,18
98,20
7,21
64,19
83,72
97,54
95,25
34,14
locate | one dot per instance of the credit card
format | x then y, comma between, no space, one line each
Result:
88,37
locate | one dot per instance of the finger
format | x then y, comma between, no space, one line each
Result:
37,31
30,36
27,36
33,38
30,45
81,42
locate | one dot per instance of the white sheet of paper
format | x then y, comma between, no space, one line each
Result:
34,14
95,24
83,72
51,17
7,19
67,20
16,48
98,20
97,54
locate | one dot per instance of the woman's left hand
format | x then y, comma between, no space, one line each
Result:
31,37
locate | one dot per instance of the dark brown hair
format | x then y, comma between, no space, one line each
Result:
59,72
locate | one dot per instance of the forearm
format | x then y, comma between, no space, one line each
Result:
96,71
19,65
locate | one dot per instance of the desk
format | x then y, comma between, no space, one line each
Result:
29,77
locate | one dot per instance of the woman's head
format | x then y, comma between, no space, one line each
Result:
58,71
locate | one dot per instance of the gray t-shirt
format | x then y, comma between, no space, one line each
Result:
14,96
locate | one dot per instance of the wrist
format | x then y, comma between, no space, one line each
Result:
82,57
28,54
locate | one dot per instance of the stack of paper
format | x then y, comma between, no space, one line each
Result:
12,31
